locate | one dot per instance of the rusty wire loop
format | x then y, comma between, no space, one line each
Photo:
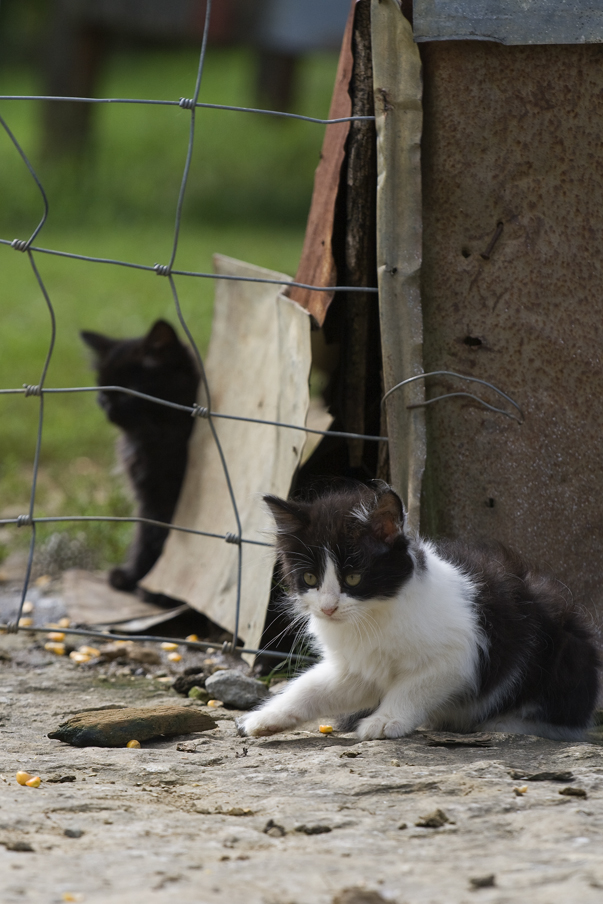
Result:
451,395
204,411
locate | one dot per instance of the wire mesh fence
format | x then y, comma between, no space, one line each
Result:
40,390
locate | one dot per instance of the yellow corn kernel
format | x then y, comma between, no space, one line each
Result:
34,782
192,637
25,621
42,581
23,777
214,703
89,651
325,729
64,622
58,648
28,607
133,744
165,679
174,657
56,635
521,790
79,657
169,647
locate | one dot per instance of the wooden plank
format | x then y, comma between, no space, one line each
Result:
317,265
398,111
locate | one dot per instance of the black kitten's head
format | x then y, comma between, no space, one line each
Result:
157,364
343,548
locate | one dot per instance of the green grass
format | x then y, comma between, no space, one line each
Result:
248,195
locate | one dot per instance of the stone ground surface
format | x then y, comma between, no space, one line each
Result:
163,824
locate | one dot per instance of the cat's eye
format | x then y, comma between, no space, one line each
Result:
310,579
352,580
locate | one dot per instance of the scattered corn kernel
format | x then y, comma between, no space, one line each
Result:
170,647
123,643
25,621
28,607
192,637
133,744
42,581
64,622
165,679
56,635
325,729
521,790
174,657
214,703
79,657
34,782
58,648
23,777
89,651
71,897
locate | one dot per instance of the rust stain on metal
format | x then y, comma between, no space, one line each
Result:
514,135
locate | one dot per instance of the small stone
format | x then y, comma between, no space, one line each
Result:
482,881
351,754
573,792
198,693
22,846
433,820
239,811
403,825
273,829
57,779
73,833
185,683
358,896
313,830
236,690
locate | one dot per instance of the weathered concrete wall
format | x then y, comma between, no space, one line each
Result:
514,136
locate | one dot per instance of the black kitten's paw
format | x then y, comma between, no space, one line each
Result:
122,579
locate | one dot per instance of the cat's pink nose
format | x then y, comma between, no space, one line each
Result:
329,610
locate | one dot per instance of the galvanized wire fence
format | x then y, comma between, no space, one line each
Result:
166,270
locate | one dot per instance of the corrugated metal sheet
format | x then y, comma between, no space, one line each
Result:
510,21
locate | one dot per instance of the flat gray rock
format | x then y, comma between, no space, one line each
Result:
236,690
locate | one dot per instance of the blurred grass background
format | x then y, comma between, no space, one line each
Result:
248,196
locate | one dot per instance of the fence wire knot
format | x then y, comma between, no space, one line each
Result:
187,103
19,245
24,520
32,390
232,538
162,269
200,411
12,628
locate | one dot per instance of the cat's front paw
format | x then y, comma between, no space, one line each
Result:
259,724
376,726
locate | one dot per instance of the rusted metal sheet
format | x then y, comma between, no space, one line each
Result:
511,291
397,92
510,21
317,265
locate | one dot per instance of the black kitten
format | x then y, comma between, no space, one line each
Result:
447,635
154,442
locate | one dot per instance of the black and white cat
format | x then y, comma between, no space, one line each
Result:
154,440
418,633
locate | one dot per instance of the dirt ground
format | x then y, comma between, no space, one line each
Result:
296,819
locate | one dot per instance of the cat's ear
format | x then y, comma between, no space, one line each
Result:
99,344
161,337
387,516
288,515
